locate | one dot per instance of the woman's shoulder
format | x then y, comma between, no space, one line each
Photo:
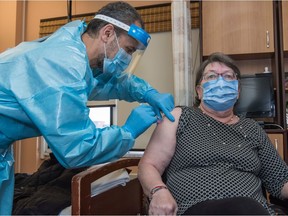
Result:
184,113
251,125
185,109
180,112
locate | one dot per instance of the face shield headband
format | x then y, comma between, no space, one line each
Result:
134,31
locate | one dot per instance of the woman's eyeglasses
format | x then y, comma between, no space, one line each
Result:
228,76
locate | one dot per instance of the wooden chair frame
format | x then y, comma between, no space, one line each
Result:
121,200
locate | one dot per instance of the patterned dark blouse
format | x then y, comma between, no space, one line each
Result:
213,160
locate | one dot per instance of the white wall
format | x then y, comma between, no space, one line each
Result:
156,67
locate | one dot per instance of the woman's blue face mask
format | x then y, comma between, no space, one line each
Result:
220,95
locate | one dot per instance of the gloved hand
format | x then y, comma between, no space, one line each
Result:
160,102
140,119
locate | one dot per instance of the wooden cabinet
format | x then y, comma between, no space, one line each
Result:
255,35
285,38
285,24
27,155
278,141
237,27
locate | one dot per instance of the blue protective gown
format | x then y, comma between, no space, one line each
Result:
44,88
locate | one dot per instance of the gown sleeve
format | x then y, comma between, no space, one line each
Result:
121,86
54,96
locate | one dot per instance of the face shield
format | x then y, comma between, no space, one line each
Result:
135,32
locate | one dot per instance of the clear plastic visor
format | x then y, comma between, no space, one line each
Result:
136,56
135,32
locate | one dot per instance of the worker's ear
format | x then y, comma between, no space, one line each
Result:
107,32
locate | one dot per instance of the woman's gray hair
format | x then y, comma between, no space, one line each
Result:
214,57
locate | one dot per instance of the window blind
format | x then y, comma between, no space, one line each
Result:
157,18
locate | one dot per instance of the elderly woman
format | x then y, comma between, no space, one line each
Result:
211,161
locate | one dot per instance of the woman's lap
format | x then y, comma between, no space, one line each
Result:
228,206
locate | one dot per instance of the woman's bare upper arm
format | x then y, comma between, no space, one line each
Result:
162,143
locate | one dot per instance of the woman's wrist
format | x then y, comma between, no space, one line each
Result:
155,189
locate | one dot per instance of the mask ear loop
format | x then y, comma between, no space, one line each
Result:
105,52
117,41
117,45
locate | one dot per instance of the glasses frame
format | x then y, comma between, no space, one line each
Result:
218,75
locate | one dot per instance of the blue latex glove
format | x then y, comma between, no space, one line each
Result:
140,119
160,102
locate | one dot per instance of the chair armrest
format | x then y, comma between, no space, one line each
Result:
83,202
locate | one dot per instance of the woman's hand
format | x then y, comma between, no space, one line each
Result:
163,203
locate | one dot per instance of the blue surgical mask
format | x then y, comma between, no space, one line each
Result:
119,63
220,95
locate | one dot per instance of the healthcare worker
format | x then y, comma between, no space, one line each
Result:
45,85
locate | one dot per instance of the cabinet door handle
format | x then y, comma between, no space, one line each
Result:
276,143
267,39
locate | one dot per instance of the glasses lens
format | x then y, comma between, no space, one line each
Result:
228,76
210,76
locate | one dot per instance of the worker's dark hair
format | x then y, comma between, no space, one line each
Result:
120,11
214,57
